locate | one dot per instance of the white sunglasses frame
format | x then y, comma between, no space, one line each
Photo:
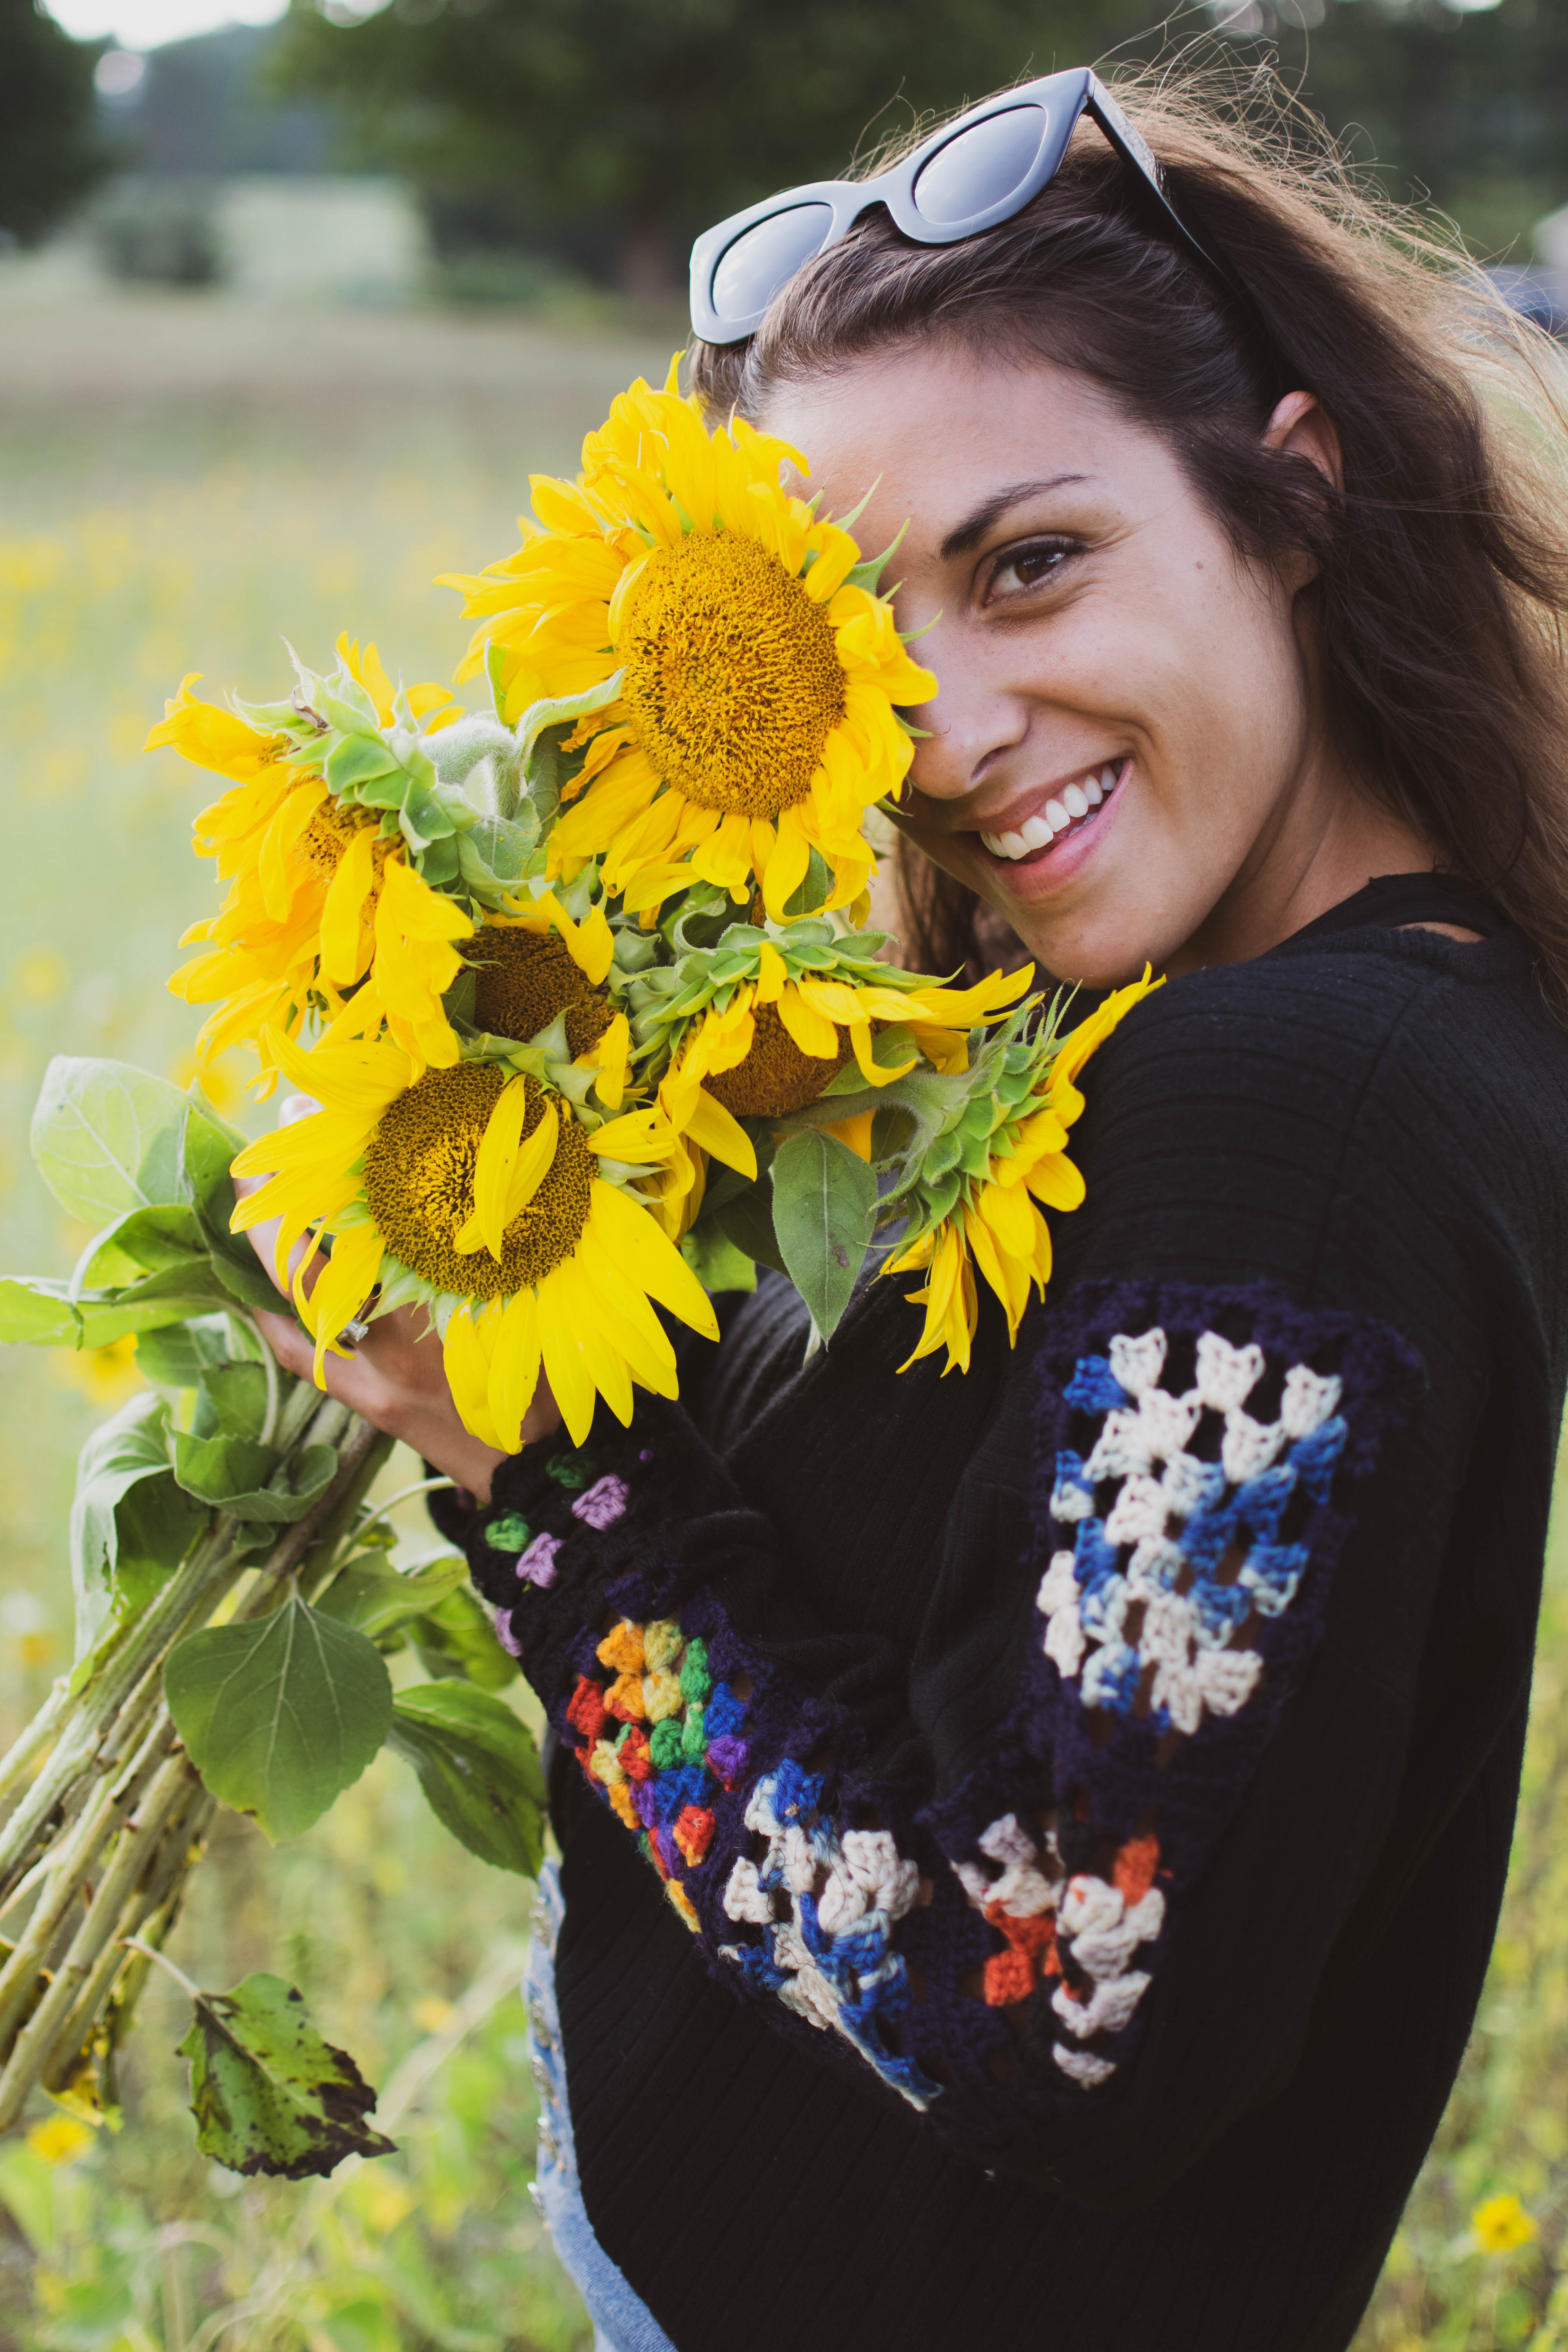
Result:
1063,98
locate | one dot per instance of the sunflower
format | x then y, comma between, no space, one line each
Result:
534,969
971,1190
319,896
478,1192
761,1026
760,677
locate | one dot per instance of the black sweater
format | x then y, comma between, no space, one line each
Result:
1089,1778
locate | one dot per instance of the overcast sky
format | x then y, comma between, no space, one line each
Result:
142,24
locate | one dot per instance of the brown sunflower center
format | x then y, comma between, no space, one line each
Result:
419,1183
525,978
775,1077
734,679
329,834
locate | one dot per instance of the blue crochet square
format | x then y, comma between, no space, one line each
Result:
723,1711
1313,1458
1261,1504
1273,1572
1094,1386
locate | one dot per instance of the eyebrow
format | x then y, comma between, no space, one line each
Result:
974,528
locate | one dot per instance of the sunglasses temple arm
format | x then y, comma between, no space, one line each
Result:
1129,143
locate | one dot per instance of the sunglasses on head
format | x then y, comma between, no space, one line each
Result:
975,172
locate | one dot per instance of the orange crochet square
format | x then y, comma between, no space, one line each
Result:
694,1828
585,1710
1133,1869
623,1698
1031,1953
633,1756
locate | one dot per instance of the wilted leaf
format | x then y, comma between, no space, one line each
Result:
479,1768
107,1138
267,2094
375,1598
279,1714
825,1197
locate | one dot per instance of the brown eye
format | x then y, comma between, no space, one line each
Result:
1026,567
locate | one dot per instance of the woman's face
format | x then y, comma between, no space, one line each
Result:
1123,757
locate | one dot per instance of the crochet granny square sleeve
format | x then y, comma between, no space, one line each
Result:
994,1952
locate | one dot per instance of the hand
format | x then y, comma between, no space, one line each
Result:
396,1379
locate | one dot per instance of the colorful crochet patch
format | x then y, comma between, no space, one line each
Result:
657,1735
1080,1933
1184,1516
828,1903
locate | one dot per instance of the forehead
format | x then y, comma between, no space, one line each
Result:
933,427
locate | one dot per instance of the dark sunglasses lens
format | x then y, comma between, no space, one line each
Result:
982,167
757,264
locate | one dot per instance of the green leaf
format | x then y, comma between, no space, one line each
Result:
238,1393
37,1312
209,1150
479,1768
267,2094
746,1219
176,1357
493,856
456,1638
237,1475
824,1197
130,1523
143,1241
357,761
248,1280
375,1598
715,1260
281,1714
106,1138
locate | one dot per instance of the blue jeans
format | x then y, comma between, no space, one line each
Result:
622,2321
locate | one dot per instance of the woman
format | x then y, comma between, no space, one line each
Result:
1124,1737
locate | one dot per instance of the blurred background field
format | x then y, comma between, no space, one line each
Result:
180,484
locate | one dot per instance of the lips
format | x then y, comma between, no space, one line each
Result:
1065,812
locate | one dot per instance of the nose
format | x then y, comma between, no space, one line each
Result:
968,730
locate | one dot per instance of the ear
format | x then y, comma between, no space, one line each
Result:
1301,427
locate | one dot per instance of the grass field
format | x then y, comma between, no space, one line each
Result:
181,482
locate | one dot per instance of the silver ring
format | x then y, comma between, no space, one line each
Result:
353,1333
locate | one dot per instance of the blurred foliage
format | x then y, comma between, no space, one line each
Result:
50,152
614,130
181,482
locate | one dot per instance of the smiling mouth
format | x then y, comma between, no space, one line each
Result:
1066,812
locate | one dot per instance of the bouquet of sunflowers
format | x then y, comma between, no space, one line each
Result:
579,991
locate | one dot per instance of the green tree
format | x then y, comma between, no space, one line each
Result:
50,154
660,115
617,127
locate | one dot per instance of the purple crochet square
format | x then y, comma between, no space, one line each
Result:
537,1564
604,1503
727,1757
502,1621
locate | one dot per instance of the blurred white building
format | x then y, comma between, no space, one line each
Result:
303,238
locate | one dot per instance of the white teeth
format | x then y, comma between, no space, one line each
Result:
1036,832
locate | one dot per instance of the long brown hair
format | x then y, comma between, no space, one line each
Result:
1441,578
